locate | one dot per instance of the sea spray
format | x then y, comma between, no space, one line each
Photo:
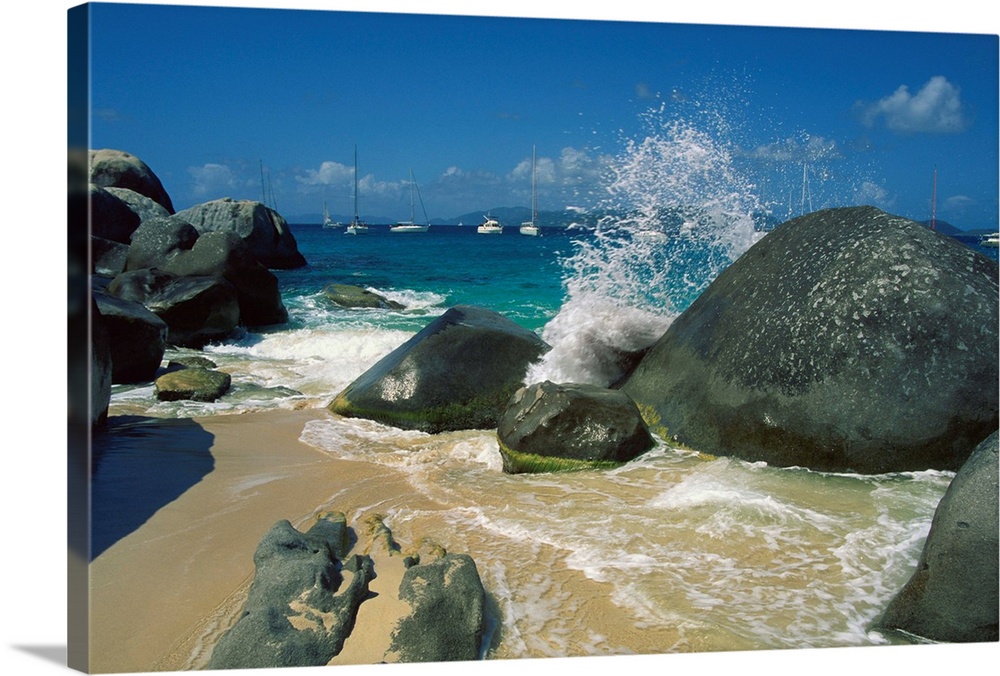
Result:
679,212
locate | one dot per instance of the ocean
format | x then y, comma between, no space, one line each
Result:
690,552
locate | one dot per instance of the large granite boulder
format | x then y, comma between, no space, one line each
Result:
458,372
225,255
303,600
549,427
157,241
263,229
845,340
142,206
100,369
953,595
107,257
447,613
110,217
175,247
197,310
193,383
138,338
348,295
115,168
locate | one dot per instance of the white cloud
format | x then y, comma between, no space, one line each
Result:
936,108
873,194
811,149
213,180
959,202
329,173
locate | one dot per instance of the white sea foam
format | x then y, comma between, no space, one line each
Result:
687,215
320,360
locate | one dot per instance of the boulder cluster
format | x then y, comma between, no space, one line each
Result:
846,340
184,279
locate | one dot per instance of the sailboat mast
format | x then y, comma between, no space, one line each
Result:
356,219
412,219
934,199
534,191
802,206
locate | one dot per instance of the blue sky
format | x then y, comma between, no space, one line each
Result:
207,95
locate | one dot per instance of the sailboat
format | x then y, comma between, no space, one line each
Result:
327,221
529,227
411,225
357,226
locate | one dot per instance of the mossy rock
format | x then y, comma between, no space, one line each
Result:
195,384
550,427
347,295
457,373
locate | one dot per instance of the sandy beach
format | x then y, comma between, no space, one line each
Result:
163,592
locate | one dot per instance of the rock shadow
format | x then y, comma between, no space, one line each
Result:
138,465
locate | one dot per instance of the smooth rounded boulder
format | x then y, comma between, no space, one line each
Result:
225,255
197,309
264,230
119,169
350,296
953,595
845,340
193,383
552,427
110,217
457,373
137,337
143,207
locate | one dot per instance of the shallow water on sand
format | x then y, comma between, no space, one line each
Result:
694,553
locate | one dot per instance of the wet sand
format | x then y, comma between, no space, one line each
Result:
165,589
160,592
163,592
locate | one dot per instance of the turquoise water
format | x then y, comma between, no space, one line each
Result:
515,275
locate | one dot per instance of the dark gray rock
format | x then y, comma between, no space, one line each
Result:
448,612
847,339
193,383
953,596
143,207
110,218
303,600
115,168
348,295
159,240
264,230
224,254
107,256
550,427
189,362
138,338
458,372
197,310
175,247
100,369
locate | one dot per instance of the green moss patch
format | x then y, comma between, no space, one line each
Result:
517,462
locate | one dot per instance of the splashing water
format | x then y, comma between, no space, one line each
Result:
680,214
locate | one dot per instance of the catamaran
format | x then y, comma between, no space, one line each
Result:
357,226
411,225
529,227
